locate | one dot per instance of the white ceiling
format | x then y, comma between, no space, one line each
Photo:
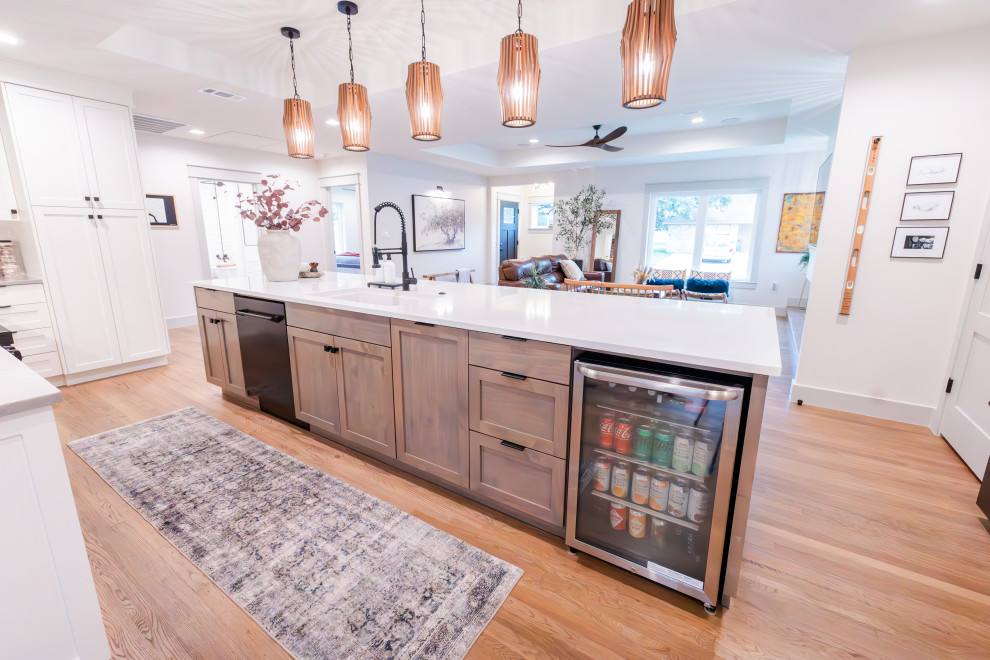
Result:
776,65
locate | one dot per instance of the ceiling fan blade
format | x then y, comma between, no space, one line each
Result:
609,148
567,146
617,133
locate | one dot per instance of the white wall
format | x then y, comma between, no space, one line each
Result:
179,256
891,356
627,191
396,180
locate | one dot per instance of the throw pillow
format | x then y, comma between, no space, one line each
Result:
698,285
677,283
571,270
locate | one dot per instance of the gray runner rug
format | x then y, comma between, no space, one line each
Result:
328,570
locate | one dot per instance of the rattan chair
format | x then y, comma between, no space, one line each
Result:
450,277
711,276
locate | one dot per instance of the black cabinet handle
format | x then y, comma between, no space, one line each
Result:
5,306
89,199
91,217
331,349
514,338
96,199
428,325
13,211
99,217
512,445
509,374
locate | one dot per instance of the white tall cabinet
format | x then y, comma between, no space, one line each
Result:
8,203
78,161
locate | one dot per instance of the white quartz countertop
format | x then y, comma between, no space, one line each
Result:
704,334
21,389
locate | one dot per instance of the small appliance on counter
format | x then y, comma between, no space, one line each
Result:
7,342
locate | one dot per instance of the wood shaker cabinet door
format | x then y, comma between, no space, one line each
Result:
523,480
364,385
233,366
209,335
430,366
313,358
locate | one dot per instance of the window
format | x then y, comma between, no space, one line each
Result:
713,230
541,215
231,241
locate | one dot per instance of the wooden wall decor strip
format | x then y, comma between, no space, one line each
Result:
864,211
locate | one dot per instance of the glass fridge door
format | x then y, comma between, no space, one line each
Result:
651,468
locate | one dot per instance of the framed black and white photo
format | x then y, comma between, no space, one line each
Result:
934,170
438,223
919,242
935,205
161,211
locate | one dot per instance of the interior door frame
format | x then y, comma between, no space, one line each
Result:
327,184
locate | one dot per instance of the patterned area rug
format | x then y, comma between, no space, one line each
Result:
328,570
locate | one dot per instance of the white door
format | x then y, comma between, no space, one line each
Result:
107,136
77,280
966,421
48,148
8,204
133,284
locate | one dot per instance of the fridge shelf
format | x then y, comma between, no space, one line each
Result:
653,419
626,458
645,509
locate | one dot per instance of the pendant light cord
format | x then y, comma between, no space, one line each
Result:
422,22
350,45
292,58
519,16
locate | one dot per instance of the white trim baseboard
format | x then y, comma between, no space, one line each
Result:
858,404
118,370
180,322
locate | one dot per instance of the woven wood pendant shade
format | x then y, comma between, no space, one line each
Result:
300,134
519,79
354,114
647,49
424,95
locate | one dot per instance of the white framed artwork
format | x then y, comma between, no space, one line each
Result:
934,170
919,242
935,205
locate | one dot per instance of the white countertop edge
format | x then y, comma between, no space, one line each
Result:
22,389
771,368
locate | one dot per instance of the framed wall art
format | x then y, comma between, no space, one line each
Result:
800,217
934,170
919,242
935,205
438,223
161,211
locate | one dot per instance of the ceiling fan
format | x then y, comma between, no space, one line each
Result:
600,142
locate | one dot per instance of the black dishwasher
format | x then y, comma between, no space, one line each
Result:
264,342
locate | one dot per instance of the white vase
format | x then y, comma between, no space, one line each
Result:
280,253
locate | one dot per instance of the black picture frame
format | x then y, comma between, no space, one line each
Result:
940,182
154,209
901,234
424,240
948,213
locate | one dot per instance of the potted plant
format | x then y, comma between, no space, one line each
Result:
576,217
279,251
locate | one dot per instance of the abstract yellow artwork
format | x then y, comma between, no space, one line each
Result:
799,220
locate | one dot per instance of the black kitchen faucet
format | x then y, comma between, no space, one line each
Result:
376,252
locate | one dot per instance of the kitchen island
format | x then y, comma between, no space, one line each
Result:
476,388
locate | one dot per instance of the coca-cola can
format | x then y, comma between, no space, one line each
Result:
623,435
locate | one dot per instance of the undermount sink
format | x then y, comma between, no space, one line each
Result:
364,296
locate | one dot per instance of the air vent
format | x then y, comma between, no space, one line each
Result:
154,124
222,94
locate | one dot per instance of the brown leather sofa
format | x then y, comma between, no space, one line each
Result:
513,272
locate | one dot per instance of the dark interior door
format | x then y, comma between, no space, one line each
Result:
508,218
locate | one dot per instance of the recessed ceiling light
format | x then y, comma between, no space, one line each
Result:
333,122
8,39
533,140
697,120
196,131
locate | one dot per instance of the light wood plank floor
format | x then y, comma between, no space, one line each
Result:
863,542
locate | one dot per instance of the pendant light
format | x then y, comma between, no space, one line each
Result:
297,116
353,110
424,94
519,77
647,49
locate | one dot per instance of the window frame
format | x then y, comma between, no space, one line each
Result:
760,186
533,215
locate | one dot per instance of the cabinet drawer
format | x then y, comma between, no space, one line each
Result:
25,317
523,480
536,359
32,342
45,364
220,301
525,411
352,325
19,294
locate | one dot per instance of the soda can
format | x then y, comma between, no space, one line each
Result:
643,447
623,435
677,500
620,480
637,524
602,474
640,487
617,515
663,446
683,451
699,504
704,456
606,429
659,491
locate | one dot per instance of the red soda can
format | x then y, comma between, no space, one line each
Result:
623,435
606,429
617,515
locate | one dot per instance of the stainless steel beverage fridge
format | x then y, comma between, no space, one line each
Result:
652,467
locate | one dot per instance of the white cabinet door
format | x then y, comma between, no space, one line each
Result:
107,135
8,204
70,247
133,284
46,138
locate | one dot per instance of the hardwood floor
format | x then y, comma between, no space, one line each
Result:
864,541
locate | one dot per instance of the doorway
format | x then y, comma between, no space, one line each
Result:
508,230
345,230
231,241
